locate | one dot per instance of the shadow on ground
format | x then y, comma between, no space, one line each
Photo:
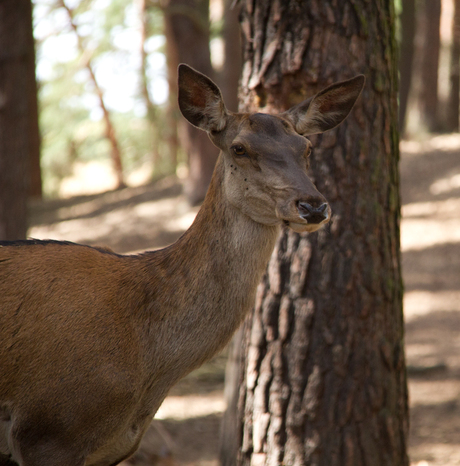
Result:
430,188
126,220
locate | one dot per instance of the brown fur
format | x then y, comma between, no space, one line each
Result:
91,341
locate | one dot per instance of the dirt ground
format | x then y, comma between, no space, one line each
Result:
186,431
430,239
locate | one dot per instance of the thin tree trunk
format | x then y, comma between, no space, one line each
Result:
151,109
35,187
406,58
229,435
110,133
430,28
172,62
323,357
231,72
16,56
454,91
229,82
188,28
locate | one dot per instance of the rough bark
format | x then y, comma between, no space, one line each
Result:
454,91
15,58
407,20
187,27
323,360
430,29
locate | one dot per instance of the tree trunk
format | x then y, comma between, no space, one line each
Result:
188,28
228,445
229,436
172,114
454,91
231,72
406,58
323,358
150,107
430,28
16,55
35,187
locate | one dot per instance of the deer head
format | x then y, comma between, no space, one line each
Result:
266,156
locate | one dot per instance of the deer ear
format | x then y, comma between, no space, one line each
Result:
326,109
200,100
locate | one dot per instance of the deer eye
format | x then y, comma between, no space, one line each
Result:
308,153
239,150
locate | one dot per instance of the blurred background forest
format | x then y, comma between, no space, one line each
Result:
107,85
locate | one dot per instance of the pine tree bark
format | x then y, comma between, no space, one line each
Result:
187,28
323,358
16,54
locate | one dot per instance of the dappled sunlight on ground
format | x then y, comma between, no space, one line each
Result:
420,303
427,143
99,177
423,233
186,406
126,220
430,241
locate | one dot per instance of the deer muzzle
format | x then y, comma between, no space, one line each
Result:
306,215
313,215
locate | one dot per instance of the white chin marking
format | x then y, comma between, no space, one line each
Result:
304,227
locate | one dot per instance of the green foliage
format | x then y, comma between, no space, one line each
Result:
70,114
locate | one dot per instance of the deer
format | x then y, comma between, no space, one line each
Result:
91,341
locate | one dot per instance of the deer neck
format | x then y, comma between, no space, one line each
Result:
217,264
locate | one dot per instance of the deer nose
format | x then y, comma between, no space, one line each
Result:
314,215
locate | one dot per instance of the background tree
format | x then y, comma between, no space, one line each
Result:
35,186
231,71
454,89
72,120
187,29
407,22
110,132
172,112
323,372
429,25
151,110
17,125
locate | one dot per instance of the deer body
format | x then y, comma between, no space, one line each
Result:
91,341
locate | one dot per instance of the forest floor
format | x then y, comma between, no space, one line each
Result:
186,431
